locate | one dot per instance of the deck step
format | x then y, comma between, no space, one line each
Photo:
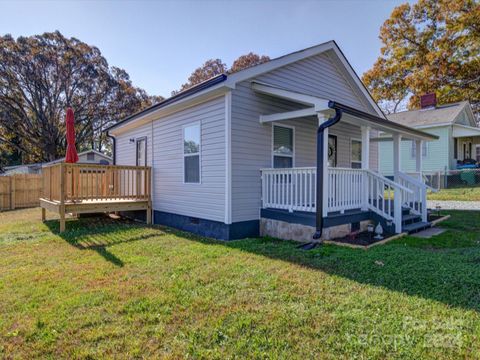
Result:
410,219
415,227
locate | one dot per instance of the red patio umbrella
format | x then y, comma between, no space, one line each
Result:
72,156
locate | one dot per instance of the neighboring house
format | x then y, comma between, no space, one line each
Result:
236,156
22,169
458,137
85,157
88,157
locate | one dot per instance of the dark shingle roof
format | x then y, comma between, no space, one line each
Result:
434,116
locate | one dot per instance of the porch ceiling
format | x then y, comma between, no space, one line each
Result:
324,108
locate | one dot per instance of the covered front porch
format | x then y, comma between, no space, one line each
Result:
349,194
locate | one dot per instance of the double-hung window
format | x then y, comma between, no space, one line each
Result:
414,149
191,153
356,154
283,146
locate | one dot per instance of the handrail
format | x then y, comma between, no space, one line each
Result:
418,202
411,179
389,182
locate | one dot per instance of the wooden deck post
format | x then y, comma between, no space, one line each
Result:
62,197
148,193
44,215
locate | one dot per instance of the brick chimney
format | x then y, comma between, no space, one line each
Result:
428,101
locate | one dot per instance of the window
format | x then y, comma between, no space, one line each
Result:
191,153
455,148
356,154
283,147
142,152
414,149
91,157
332,150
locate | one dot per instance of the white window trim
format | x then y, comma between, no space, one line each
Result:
414,145
293,143
351,149
137,140
186,155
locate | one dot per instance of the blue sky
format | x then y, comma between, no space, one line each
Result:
159,43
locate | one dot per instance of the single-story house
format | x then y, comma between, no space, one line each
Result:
84,157
284,148
458,138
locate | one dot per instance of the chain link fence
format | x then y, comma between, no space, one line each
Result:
449,179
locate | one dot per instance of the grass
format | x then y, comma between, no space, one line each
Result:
459,194
109,289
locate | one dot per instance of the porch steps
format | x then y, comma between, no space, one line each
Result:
416,227
412,223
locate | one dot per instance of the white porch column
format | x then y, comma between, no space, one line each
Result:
365,164
397,142
418,158
397,197
365,147
321,119
418,169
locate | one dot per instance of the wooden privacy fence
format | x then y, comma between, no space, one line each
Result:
20,191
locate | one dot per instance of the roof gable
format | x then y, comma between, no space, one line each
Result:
216,84
332,57
448,114
319,76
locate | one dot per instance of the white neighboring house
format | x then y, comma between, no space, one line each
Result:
236,156
85,157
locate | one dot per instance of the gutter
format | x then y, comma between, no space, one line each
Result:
320,166
171,100
378,120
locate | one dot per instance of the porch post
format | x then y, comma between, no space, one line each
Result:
321,119
418,158
397,141
365,164
418,169
397,196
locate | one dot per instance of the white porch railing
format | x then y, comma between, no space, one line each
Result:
291,189
294,189
345,189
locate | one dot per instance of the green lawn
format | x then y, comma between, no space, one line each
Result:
115,289
460,194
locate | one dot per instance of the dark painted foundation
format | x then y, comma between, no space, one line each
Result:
209,228
203,227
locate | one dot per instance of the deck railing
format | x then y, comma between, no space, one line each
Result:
294,189
64,182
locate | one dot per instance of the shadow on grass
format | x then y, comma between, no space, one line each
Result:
445,268
99,232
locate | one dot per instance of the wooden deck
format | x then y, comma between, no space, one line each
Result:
89,188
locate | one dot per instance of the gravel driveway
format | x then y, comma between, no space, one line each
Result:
454,205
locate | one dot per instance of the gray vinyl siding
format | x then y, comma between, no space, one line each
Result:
252,141
126,151
205,200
